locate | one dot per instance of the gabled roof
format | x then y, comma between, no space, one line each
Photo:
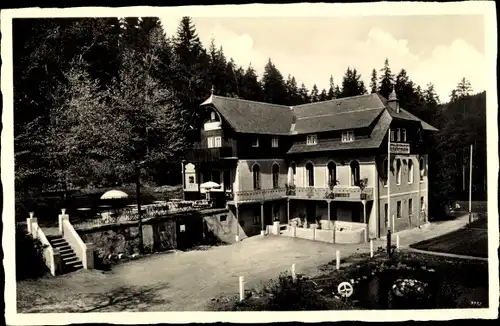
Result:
373,141
339,114
253,117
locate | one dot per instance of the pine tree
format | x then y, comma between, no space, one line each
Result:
314,94
251,89
323,96
273,85
331,91
235,79
373,82
292,91
463,88
352,85
304,94
218,72
453,95
386,80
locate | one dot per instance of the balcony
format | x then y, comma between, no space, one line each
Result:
210,154
337,194
259,195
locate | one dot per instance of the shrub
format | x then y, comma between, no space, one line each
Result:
29,256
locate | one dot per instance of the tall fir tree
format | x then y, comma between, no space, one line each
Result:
273,85
463,88
251,88
331,91
292,91
314,97
323,96
373,82
352,85
386,80
304,94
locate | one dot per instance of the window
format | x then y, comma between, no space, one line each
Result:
294,171
385,173
398,172
312,139
256,176
212,115
218,142
386,213
422,208
404,134
255,142
398,207
347,136
276,176
191,180
274,142
398,135
223,218
422,169
392,135
310,174
410,171
354,173
410,207
332,174
211,142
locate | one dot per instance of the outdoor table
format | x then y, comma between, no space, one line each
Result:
85,210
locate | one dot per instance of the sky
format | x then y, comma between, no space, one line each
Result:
440,49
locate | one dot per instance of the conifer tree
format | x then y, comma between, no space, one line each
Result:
304,94
386,80
273,85
373,82
352,85
331,91
323,96
251,88
314,97
293,91
463,88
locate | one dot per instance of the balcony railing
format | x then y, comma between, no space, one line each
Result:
259,195
338,193
210,154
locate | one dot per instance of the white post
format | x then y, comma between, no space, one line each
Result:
338,259
397,241
294,276
242,289
371,248
470,186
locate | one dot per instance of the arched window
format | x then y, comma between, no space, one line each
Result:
354,173
256,176
398,172
422,169
385,173
403,136
332,174
276,175
310,174
410,171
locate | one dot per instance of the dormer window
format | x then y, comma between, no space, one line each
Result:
212,116
255,142
312,139
347,136
274,142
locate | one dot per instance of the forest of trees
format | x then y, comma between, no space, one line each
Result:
98,99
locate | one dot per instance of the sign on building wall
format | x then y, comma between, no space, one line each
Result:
400,148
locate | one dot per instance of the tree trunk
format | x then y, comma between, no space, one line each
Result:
139,211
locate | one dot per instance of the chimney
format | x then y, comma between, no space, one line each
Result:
393,101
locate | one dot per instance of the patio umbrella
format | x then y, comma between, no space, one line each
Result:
206,186
114,194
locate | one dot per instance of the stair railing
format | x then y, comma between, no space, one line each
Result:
84,251
51,255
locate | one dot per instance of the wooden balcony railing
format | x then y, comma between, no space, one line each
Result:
210,154
338,193
259,195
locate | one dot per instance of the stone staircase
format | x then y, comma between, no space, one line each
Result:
70,261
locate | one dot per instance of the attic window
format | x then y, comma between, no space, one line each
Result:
312,139
212,116
347,136
255,142
274,142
